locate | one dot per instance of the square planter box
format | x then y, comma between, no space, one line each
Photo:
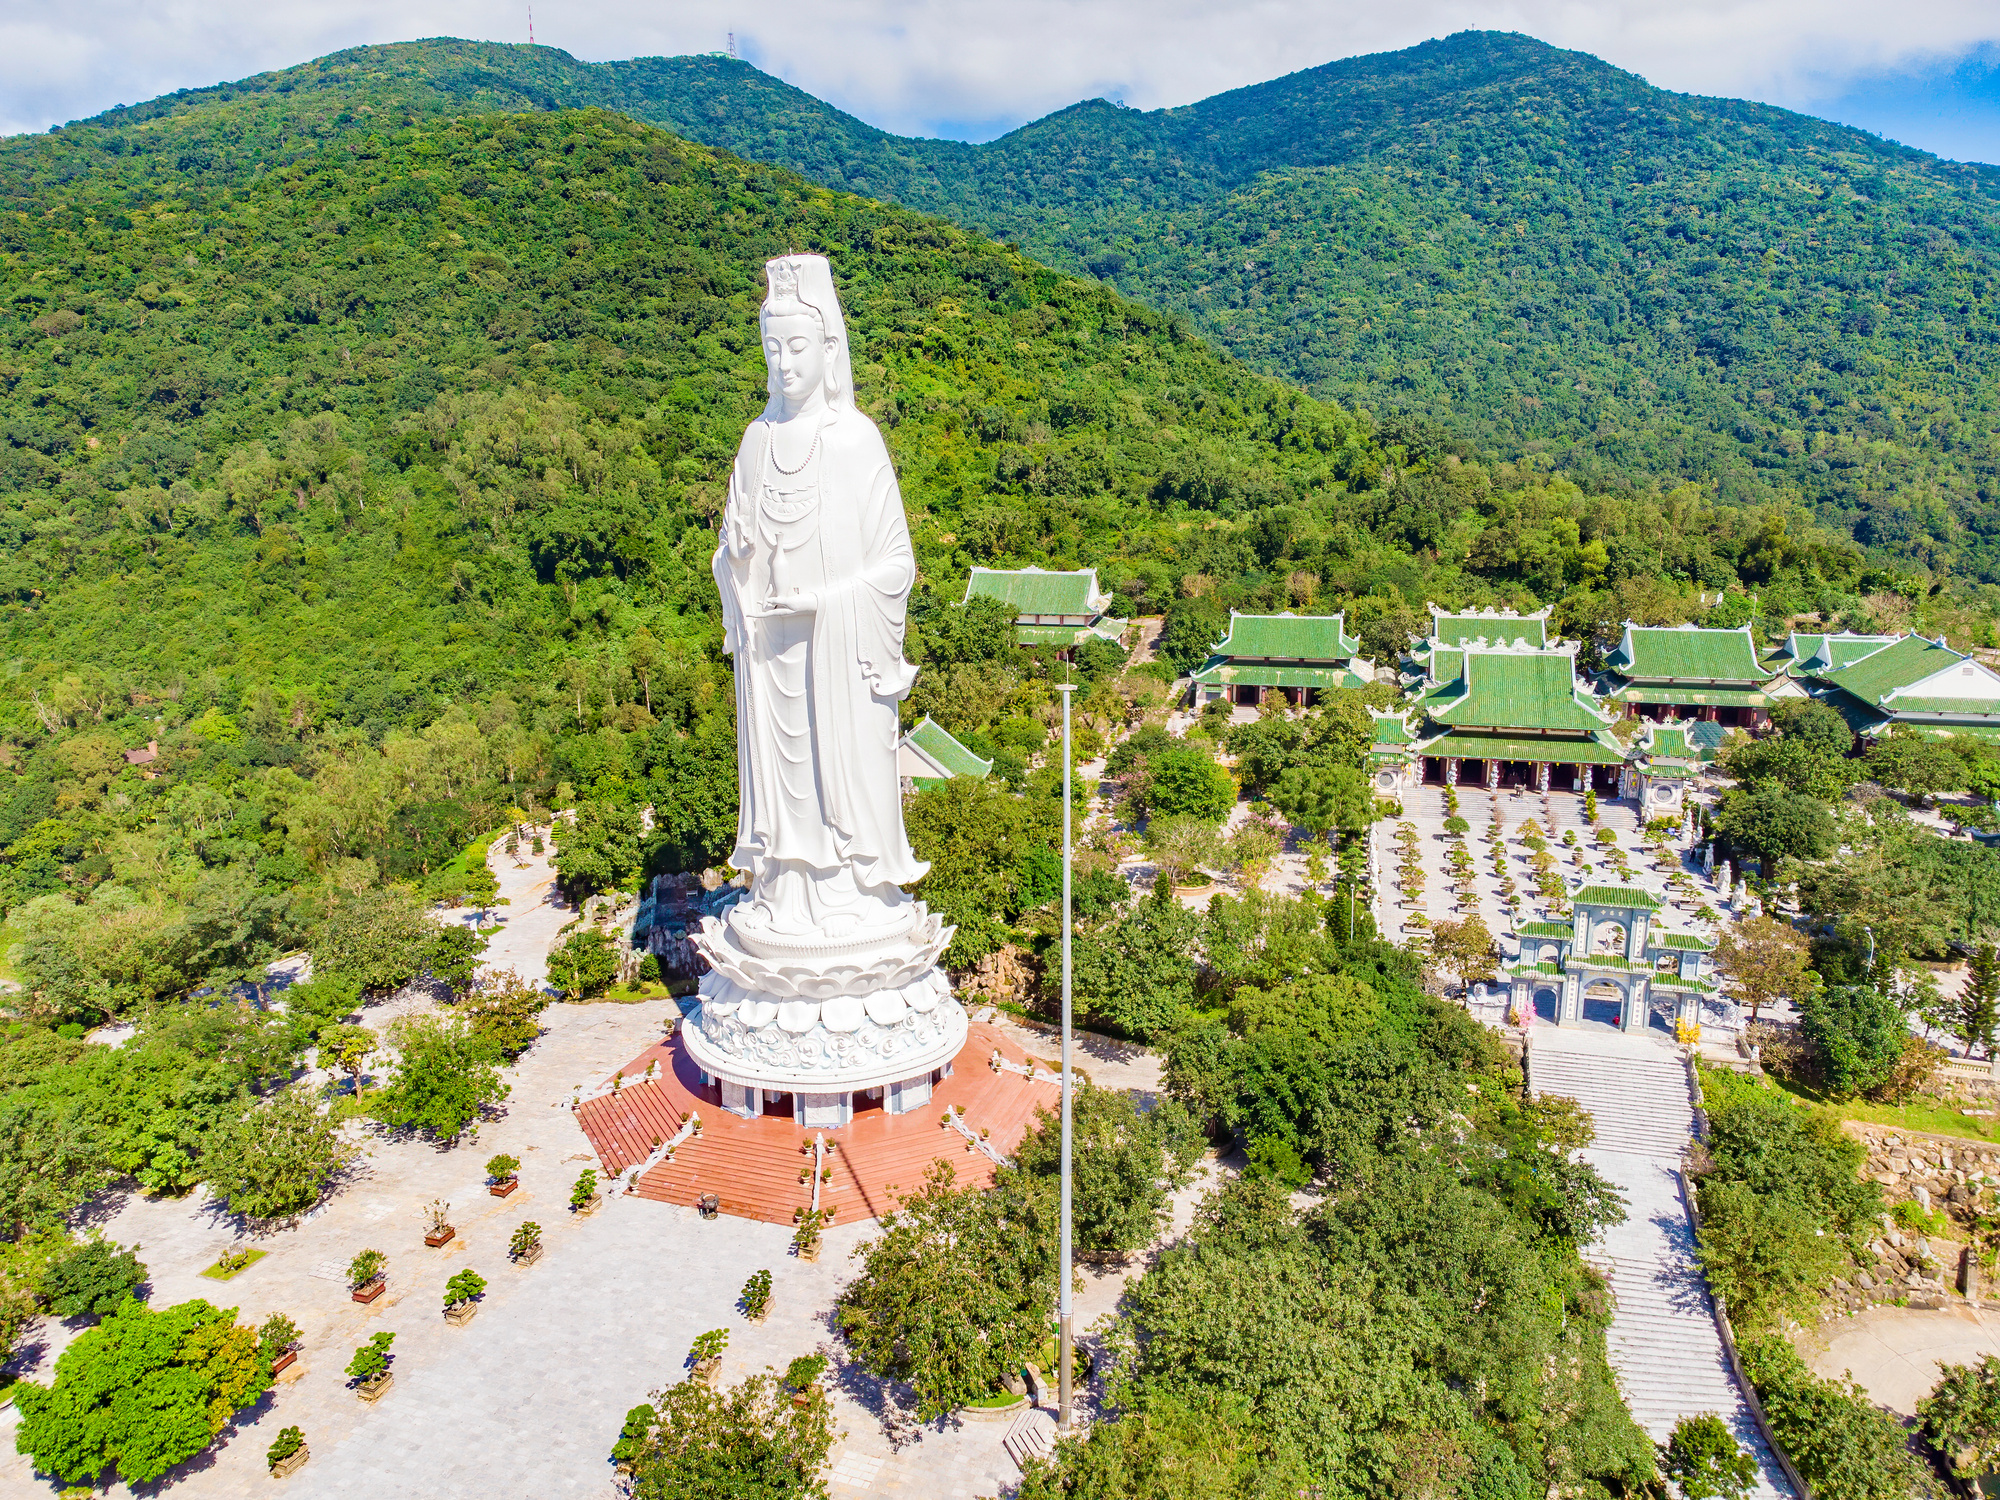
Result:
284,1361
460,1313
530,1257
284,1468
502,1189
704,1369
440,1237
371,1291
376,1389
596,1202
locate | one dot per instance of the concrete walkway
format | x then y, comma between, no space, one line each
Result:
1663,1342
1894,1353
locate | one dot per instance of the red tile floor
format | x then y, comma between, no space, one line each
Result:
753,1166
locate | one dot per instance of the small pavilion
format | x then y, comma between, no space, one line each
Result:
1610,964
1664,762
1684,671
1051,609
1296,656
1511,714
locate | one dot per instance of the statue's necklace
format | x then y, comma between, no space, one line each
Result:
780,505
818,428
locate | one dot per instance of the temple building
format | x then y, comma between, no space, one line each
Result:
1051,609
1923,684
1610,964
1510,714
929,756
1295,656
1685,672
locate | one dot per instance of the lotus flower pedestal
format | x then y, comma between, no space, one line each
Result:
825,1017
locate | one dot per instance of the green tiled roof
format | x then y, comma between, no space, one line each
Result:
1669,740
1287,637
1067,635
1668,771
1546,930
1820,653
1390,729
1687,697
1685,654
1706,737
1679,940
1615,895
1554,971
936,745
1261,674
1984,708
1457,630
1516,690
1877,675
1588,751
1036,591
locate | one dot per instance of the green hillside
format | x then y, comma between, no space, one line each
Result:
1535,251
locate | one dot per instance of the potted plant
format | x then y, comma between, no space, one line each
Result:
639,1424
461,1297
440,1231
803,1374
806,1239
365,1278
526,1245
705,1357
584,1197
757,1297
288,1453
278,1341
505,1172
369,1369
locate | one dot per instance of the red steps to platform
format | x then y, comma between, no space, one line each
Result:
626,1126
752,1166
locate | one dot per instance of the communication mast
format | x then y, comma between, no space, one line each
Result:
531,26
732,44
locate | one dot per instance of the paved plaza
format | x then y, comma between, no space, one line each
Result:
1556,812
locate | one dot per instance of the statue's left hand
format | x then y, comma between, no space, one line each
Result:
798,602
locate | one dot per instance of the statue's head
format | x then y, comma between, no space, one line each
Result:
805,336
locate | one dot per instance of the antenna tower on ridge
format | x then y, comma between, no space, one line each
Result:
531,26
732,44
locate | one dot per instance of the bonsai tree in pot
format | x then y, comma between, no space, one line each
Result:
278,1342
369,1369
803,1374
639,1421
583,1197
461,1296
365,1276
706,1354
439,1231
526,1245
505,1172
287,1453
811,1221
757,1297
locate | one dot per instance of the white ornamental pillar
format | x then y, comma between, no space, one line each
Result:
1541,776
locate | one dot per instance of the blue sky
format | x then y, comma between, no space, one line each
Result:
1951,108
1927,73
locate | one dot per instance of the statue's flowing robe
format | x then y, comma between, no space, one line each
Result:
818,779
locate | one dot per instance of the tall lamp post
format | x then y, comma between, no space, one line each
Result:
1064,1342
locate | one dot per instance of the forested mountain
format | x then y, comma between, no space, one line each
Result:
1535,251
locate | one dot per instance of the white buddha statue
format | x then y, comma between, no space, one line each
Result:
824,978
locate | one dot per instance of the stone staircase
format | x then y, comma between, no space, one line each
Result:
1663,1342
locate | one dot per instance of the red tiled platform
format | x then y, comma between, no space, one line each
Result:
753,1165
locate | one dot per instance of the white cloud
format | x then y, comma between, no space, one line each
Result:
920,64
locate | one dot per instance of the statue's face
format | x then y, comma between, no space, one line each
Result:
796,350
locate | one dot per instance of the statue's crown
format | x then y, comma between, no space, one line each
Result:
784,281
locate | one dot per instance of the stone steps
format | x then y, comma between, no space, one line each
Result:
1033,1435
1663,1341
